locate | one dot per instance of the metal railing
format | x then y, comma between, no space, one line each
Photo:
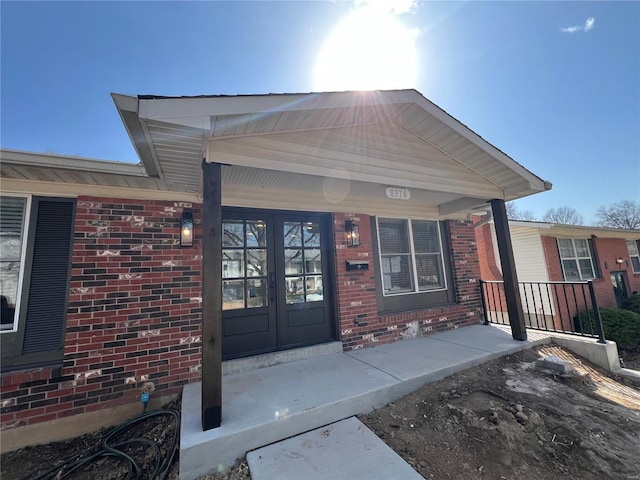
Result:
563,307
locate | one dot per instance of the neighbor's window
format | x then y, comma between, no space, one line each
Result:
575,256
410,256
634,254
12,221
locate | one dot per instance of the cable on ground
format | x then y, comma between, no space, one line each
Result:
161,465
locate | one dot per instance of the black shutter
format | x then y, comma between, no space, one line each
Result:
48,290
594,258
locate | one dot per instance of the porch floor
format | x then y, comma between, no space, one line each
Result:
267,405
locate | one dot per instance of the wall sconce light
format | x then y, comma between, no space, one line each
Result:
353,233
186,229
619,261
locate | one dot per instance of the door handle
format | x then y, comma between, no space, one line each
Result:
272,287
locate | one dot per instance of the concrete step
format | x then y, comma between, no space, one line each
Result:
343,450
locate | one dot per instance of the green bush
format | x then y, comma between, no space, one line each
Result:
632,303
620,325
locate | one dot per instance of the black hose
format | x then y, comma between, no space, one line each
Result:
161,468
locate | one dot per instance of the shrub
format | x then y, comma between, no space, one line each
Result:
632,303
620,325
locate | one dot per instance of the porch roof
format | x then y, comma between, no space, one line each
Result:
359,142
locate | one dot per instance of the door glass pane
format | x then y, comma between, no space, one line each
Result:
295,289
311,234
232,234
292,234
256,293
257,263
232,294
256,233
396,275
429,269
292,261
232,263
312,261
314,288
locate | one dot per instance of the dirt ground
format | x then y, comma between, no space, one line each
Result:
506,419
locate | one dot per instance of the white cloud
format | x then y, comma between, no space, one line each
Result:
588,25
573,29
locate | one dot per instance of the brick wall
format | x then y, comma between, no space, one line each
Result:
134,310
488,262
360,323
607,250
134,314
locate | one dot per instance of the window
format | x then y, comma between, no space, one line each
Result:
575,256
12,245
411,259
634,254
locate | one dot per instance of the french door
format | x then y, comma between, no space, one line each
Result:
276,281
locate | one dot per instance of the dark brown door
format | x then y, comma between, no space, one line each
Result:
275,275
304,294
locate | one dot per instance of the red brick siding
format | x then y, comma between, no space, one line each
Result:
607,250
134,309
134,314
488,262
360,323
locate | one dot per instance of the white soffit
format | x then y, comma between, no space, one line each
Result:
385,137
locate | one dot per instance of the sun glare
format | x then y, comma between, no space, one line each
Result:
368,50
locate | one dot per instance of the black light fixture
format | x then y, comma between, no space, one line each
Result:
186,229
353,233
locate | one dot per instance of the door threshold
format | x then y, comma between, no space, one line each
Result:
240,365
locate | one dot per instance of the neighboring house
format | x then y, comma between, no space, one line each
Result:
548,252
287,221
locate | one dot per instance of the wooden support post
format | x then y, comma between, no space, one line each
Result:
211,296
509,275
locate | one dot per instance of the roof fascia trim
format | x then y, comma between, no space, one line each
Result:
180,107
138,133
36,159
537,183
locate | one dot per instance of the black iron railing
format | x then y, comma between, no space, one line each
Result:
563,307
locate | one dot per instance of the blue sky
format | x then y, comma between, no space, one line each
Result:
555,85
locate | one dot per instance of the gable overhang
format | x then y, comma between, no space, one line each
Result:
341,148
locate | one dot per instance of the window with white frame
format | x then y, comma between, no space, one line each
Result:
634,254
12,241
411,258
575,256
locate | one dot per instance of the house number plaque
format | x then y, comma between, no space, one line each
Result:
398,193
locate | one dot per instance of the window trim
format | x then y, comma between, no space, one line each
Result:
391,304
412,253
577,259
26,236
637,255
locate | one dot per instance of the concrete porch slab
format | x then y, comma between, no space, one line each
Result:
343,450
267,405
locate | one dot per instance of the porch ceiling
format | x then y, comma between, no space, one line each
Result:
383,138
